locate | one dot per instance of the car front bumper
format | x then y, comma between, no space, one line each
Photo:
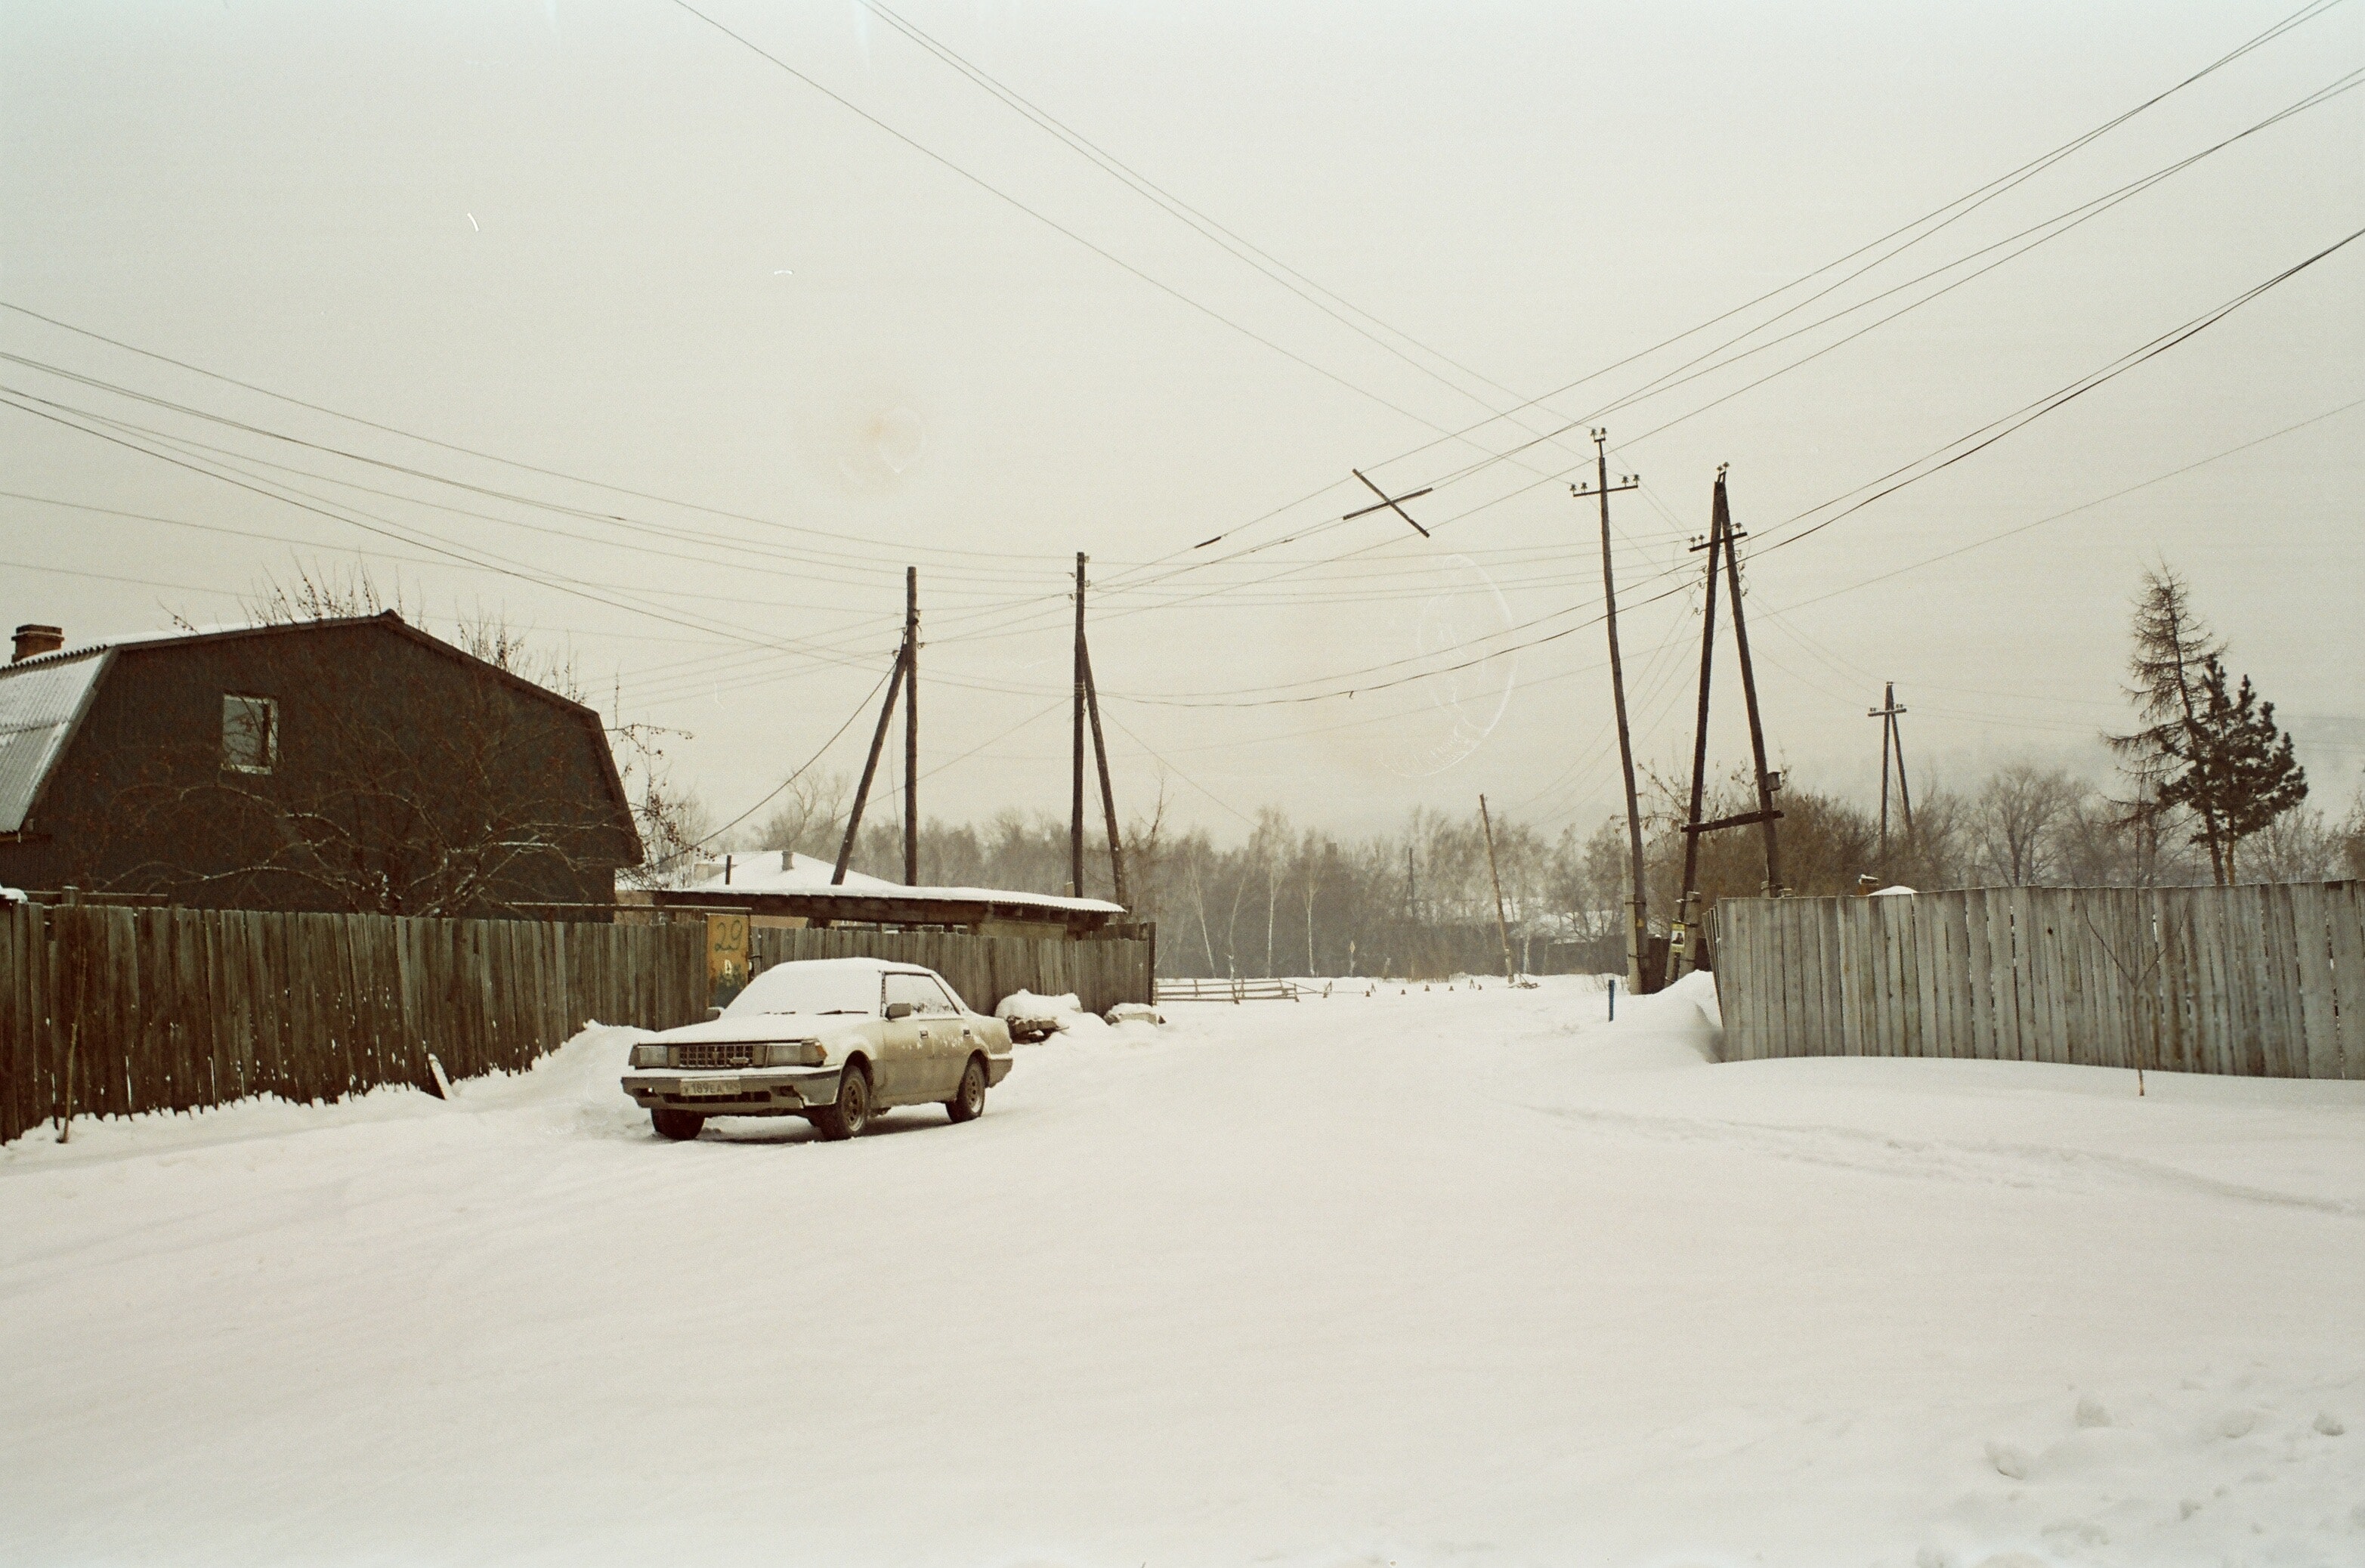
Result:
741,1092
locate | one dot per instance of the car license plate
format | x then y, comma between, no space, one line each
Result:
710,1086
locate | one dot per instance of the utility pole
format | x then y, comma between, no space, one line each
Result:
1721,545
1502,929
1638,923
1767,782
1108,792
895,683
1680,942
1076,792
1892,741
910,726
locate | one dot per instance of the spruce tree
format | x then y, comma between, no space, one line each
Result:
2241,775
2213,753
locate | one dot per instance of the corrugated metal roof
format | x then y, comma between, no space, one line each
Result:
38,702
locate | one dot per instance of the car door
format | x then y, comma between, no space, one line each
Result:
903,1070
946,1040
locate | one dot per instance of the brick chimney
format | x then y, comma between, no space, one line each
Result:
34,641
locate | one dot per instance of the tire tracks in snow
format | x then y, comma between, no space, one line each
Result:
2031,1166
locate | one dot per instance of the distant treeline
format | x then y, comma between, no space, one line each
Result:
1286,899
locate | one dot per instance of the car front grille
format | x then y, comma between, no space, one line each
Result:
718,1056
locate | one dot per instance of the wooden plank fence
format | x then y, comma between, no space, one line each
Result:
2264,982
128,1010
984,970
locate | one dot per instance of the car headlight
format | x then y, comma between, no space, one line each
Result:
648,1054
794,1053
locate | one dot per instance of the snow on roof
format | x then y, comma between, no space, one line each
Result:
783,871
40,699
131,639
777,871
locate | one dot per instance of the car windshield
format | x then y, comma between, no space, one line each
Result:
813,988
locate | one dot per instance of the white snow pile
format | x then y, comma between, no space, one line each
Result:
1033,1018
1390,1277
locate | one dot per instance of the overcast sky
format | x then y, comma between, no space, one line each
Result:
611,243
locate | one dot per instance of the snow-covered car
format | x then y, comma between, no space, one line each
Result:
833,1040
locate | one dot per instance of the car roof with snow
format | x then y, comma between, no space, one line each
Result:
819,985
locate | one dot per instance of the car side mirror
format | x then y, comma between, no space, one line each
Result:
715,1013
896,1010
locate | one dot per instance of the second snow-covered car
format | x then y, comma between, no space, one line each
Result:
833,1040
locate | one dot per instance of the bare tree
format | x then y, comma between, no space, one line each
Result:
810,818
675,824
2018,818
2297,847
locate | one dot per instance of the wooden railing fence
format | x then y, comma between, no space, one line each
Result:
984,970
2263,980
1232,988
128,1010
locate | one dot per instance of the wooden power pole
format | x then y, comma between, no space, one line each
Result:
1720,545
1638,921
1108,792
1767,783
1494,874
895,685
1088,716
1076,791
910,726
1891,741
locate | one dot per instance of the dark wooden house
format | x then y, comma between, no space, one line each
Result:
356,764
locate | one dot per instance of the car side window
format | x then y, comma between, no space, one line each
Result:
928,999
925,997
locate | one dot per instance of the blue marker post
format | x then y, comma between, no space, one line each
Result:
1613,999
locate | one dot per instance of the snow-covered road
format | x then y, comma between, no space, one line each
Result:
1445,1277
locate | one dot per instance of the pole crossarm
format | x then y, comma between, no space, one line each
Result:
1389,502
1747,819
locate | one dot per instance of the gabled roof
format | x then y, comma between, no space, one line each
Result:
39,701
43,698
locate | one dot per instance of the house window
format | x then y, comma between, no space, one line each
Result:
250,734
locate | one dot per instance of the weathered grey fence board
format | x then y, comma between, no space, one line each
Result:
2345,914
170,1009
2265,981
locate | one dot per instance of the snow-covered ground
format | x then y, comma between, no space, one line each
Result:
1447,1277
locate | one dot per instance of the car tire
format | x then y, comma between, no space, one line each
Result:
968,1103
678,1126
851,1113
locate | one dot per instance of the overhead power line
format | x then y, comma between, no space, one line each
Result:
1327,300
1943,216
1047,221
1930,464
1909,233
493,456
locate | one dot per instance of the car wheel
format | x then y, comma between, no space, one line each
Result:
678,1126
968,1103
851,1113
